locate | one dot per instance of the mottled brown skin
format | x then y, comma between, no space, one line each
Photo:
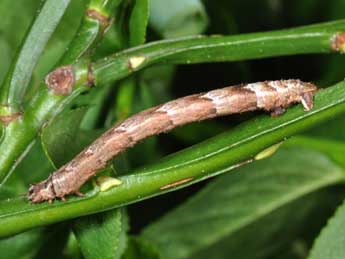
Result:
273,96
61,80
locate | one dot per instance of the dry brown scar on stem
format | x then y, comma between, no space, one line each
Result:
338,42
103,19
269,96
171,185
61,80
7,119
90,75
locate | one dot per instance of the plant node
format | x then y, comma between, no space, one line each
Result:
338,42
101,18
61,80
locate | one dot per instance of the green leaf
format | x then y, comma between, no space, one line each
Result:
9,20
61,41
330,129
22,246
19,76
178,18
140,248
60,138
6,57
213,223
34,167
330,243
138,22
103,235
53,241
124,101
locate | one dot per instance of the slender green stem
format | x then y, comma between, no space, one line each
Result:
303,40
21,133
210,158
91,30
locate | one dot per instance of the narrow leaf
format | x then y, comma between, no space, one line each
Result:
40,32
138,22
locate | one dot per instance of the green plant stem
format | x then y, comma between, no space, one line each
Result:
20,134
18,78
302,40
210,158
91,30
309,39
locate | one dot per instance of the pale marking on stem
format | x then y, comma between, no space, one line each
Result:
229,100
135,62
174,184
106,182
268,151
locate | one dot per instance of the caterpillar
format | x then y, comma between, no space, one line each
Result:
272,96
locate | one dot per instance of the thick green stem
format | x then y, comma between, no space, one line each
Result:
210,158
303,40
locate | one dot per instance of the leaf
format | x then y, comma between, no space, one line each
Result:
41,30
207,159
9,20
22,246
140,248
103,235
6,57
60,41
213,224
330,129
59,138
34,167
330,243
54,239
124,100
138,22
178,18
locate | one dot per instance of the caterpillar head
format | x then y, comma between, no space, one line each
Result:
42,191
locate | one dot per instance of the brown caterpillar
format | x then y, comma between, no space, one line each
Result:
272,96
